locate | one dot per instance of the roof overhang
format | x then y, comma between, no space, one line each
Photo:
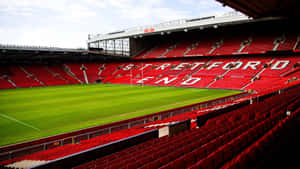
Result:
175,26
265,8
12,53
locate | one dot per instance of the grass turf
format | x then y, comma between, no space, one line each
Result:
32,113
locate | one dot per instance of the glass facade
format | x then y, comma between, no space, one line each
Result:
115,46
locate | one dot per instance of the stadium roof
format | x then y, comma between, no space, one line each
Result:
174,26
15,53
253,8
41,48
265,8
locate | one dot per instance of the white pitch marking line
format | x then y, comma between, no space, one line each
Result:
20,122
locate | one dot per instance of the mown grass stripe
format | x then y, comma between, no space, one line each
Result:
60,109
69,99
20,122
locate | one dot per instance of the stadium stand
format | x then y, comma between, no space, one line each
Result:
173,73
231,82
62,151
45,75
179,49
254,66
158,51
230,44
92,72
262,83
5,84
279,66
59,71
226,73
22,78
203,46
77,70
221,140
242,73
200,81
262,62
287,42
226,44
260,43
230,140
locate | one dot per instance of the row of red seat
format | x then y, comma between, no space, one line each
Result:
221,139
247,156
229,73
45,76
221,46
35,76
5,84
21,79
62,151
247,68
238,144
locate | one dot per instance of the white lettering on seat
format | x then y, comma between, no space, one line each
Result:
237,65
144,79
163,66
180,66
281,64
128,67
252,64
166,80
191,81
196,64
214,64
146,65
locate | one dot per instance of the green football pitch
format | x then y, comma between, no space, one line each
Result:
32,113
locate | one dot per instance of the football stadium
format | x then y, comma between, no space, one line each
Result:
202,93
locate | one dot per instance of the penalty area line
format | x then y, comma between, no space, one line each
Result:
20,122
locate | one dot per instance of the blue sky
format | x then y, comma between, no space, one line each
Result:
66,23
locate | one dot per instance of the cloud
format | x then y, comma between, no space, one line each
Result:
140,13
187,1
77,13
19,5
161,14
68,22
99,4
26,11
44,37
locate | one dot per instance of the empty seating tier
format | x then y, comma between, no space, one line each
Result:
222,44
219,143
242,73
